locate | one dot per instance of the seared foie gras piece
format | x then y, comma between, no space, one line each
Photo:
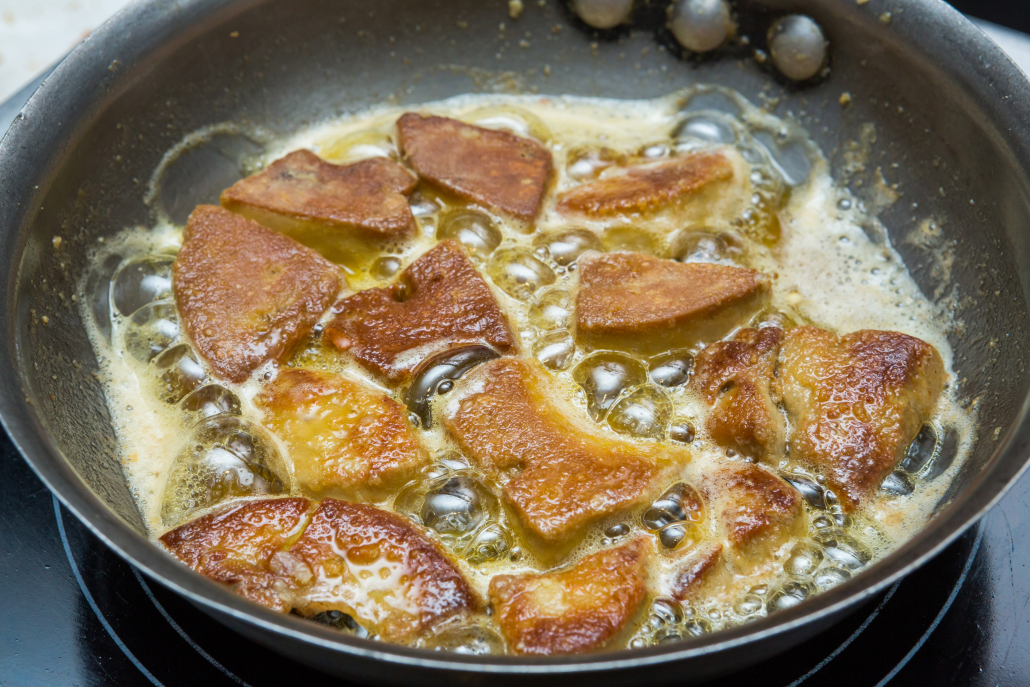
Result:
496,169
237,545
439,301
378,568
736,378
345,437
335,209
699,572
574,610
559,472
648,187
636,302
246,294
857,402
757,512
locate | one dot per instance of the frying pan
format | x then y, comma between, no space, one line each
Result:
943,112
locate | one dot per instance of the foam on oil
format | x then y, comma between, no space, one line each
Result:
827,270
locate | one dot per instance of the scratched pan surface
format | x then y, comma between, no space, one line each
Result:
950,114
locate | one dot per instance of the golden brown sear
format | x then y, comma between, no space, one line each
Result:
857,402
648,187
699,572
497,169
757,512
574,610
378,568
439,301
345,437
236,546
736,378
559,473
331,208
246,294
636,302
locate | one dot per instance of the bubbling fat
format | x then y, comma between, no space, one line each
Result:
787,219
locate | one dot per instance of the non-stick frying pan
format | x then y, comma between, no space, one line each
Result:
943,112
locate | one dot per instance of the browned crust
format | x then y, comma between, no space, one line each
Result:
646,188
736,378
369,196
247,295
752,503
235,545
638,302
857,402
448,303
560,472
495,168
345,534
697,572
344,436
574,610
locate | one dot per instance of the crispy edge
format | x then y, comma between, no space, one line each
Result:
645,188
357,530
737,380
488,166
382,441
366,318
614,578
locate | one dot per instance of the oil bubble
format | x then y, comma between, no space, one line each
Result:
209,401
679,503
604,376
555,350
449,365
827,578
552,310
341,621
386,267
151,329
804,558
672,369
224,457
566,245
140,282
474,230
467,639
843,549
682,430
700,246
456,507
708,127
519,273
179,373
898,483
491,543
644,412
790,594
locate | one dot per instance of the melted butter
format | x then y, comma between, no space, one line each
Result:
827,271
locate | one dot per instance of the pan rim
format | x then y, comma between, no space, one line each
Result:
29,435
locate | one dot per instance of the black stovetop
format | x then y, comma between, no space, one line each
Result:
74,614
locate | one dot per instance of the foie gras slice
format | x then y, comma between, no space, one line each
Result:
496,169
635,302
379,568
346,438
578,609
756,513
236,545
440,301
856,403
646,188
559,471
737,379
247,295
342,211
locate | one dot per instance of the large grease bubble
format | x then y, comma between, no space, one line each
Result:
604,376
519,273
141,281
225,457
564,246
151,329
474,230
644,413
